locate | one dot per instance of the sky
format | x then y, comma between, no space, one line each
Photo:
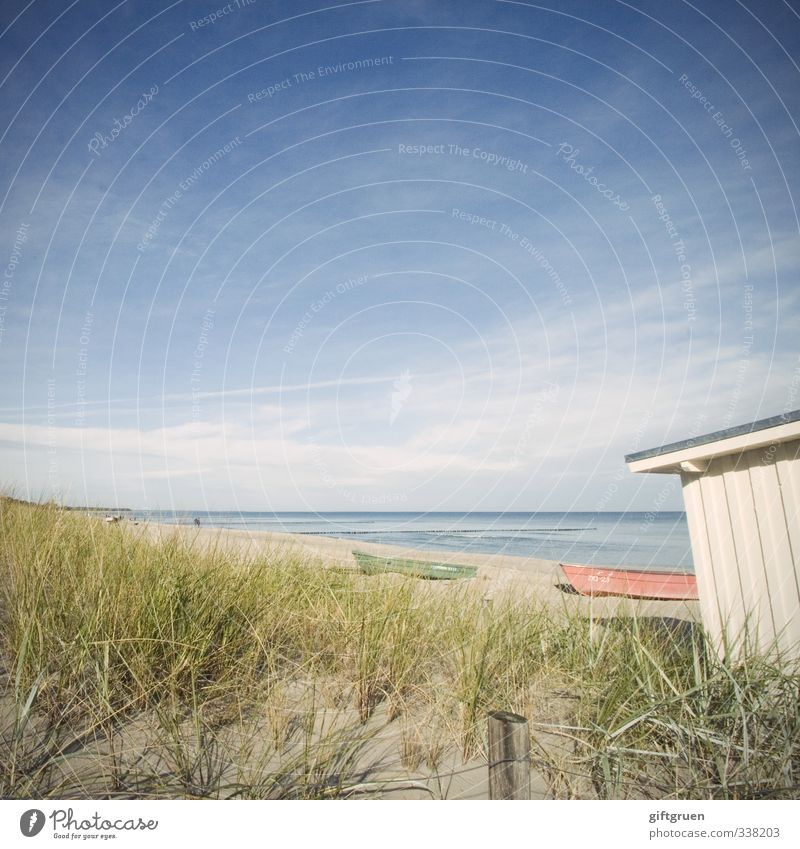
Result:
390,254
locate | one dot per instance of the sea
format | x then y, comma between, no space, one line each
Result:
655,540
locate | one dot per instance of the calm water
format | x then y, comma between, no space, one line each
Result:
612,539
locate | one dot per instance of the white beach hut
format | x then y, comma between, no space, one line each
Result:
741,488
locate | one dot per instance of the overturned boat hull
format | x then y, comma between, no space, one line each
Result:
591,580
372,565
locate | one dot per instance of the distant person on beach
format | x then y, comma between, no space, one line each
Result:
197,522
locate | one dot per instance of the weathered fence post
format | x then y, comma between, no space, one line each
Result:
509,756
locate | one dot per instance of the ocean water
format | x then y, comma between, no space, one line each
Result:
640,540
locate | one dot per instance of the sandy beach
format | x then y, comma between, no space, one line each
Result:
498,574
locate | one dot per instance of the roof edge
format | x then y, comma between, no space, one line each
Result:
716,436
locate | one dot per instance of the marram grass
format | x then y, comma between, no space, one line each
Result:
140,669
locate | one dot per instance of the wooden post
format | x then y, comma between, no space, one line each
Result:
509,756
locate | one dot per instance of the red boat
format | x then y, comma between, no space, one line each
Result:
589,580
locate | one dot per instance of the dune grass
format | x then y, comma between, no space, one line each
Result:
140,669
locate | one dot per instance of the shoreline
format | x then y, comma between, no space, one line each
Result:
498,574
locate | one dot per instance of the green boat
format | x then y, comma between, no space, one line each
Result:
372,565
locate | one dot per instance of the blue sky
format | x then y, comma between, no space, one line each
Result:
390,255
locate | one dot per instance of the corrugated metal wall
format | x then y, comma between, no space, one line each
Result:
745,531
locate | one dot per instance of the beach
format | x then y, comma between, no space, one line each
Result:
175,661
529,580
498,574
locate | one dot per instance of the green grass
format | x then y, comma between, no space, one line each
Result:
137,669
